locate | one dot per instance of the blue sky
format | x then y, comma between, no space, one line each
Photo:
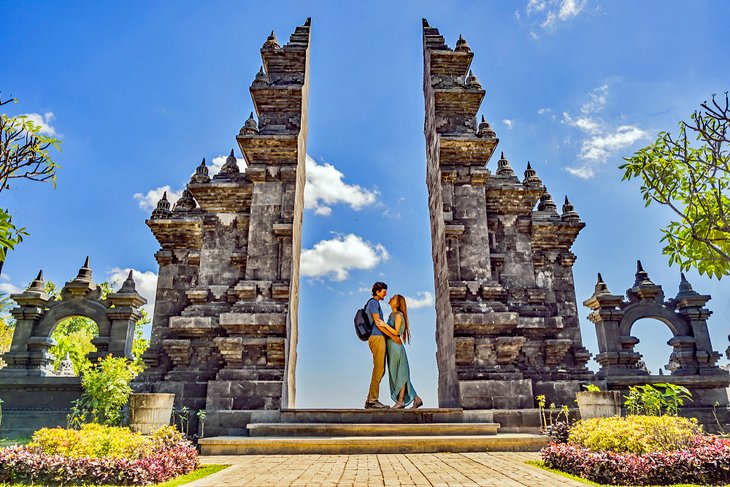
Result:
139,92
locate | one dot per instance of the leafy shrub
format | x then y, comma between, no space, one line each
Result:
106,390
657,399
167,454
706,461
92,440
635,434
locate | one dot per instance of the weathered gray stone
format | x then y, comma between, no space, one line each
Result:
505,298
693,362
227,296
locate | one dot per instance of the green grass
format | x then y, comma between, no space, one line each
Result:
541,464
198,473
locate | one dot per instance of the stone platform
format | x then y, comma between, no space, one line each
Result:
356,431
243,445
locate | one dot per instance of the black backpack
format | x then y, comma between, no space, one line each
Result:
363,323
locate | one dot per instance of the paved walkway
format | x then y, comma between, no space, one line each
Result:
434,469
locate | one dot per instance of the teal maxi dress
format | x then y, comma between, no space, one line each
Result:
398,371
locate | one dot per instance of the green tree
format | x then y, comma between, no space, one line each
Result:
690,174
24,154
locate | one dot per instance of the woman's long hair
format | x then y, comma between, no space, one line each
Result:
400,305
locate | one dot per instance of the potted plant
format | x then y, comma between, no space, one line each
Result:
595,403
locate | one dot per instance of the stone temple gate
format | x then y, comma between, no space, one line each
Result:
224,332
225,323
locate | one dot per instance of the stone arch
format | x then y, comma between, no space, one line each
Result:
93,310
38,314
652,310
685,315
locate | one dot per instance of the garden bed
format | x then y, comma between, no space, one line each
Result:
98,455
641,450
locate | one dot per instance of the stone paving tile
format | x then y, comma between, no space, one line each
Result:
416,469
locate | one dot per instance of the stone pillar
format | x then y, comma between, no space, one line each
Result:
225,326
497,329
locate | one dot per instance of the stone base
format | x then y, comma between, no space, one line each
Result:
30,403
496,394
233,423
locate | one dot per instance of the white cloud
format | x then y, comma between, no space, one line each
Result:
600,147
9,288
596,100
43,121
549,13
602,140
148,201
544,111
508,123
325,188
336,257
423,300
217,164
144,281
570,8
583,172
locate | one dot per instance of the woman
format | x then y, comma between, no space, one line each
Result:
401,389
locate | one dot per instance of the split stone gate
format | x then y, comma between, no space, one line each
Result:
224,332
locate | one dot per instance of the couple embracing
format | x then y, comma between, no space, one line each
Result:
387,344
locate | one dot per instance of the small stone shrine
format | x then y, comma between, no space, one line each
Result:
692,363
506,316
225,323
34,395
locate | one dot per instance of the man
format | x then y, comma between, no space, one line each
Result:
376,342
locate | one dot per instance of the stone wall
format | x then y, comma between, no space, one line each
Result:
225,322
506,314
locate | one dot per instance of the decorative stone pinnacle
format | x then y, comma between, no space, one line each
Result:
547,204
472,81
425,22
37,285
531,176
601,287
485,130
569,213
201,173
685,288
308,22
163,208
231,166
84,274
462,45
186,202
503,167
271,42
250,127
642,277
128,285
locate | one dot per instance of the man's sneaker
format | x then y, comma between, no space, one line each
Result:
375,405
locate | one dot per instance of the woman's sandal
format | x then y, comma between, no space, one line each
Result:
398,405
417,403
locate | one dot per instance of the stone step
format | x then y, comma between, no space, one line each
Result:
369,416
371,429
245,445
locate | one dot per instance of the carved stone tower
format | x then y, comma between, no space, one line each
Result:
506,315
225,324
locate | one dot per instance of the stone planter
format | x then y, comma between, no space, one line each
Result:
149,412
601,404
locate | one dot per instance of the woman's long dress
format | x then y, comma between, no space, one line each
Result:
398,371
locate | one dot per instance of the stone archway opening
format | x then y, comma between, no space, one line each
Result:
653,338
